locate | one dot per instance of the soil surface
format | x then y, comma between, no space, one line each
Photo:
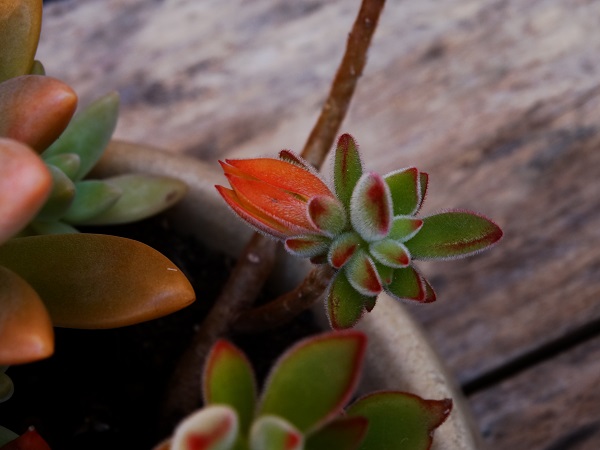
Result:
102,389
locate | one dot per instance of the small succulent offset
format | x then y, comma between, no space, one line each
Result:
367,231
302,404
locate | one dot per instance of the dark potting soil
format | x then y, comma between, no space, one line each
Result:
102,389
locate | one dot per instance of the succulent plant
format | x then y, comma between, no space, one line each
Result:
302,404
30,440
367,231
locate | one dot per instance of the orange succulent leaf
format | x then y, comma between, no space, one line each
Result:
25,183
26,332
35,109
98,281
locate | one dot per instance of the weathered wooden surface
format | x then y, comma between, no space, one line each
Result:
499,100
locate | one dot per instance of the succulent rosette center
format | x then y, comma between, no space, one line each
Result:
367,230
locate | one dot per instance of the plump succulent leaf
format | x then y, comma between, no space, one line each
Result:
30,440
291,157
396,417
228,379
390,253
453,234
405,187
362,274
20,25
61,196
308,245
97,281
49,227
386,273
142,196
26,332
7,388
88,133
37,68
327,215
35,109
212,428
347,168
275,433
67,162
312,381
345,305
404,228
371,207
25,183
344,433
407,284
342,248
92,198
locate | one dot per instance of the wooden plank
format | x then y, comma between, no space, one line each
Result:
554,406
498,100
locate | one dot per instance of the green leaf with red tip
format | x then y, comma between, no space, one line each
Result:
423,185
342,248
371,207
344,433
141,196
390,253
347,168
453,234
97,281
214,427
308,245
229,379
362,274
275,433
61,196
88,133
407,284
68,163
345,305
386,273
327,215
92,197
291,157
430,296
404,228
404,185
20,25
30,440
312,381
396,417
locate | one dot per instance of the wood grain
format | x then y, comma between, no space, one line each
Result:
499,100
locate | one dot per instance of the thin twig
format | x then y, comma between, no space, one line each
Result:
257,259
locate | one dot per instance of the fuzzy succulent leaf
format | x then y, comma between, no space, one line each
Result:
404,228
342,248
423,185
20,25
214,427
275,433
26,332
396,417
97,281
35,109
67,162
347,169
405,187
308,245
327,215
362,274
142,196
371,207
386,273
25,183
453,234
293,158
228,379
88,133
60,198
92,198
30,440
407,284
312,381
345,305
344,433
390,253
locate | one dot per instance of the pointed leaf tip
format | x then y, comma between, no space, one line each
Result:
348,168
275,433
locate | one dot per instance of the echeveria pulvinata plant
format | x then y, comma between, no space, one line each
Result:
365,227
302,404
